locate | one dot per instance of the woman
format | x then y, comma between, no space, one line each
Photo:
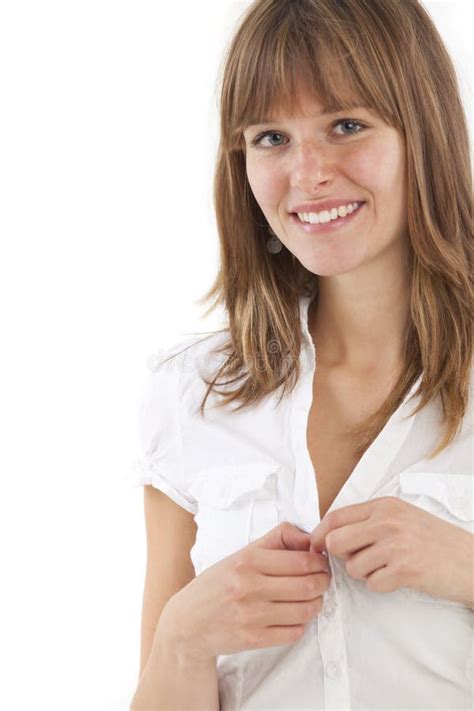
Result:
325,496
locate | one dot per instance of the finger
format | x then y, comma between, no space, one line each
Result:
274,562
286,614
337,518
366,562
292,588
318,536
384,580
347,540
285,536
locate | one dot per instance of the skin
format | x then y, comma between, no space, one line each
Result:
391,543
359,320
363,305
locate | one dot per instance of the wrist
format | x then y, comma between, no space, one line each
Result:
172,638
466,570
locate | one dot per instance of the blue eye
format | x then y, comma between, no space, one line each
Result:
352,121
257,141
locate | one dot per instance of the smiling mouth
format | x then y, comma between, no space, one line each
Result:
330,226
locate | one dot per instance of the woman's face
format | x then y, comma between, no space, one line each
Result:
315,158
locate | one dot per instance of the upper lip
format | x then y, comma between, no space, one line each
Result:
323,205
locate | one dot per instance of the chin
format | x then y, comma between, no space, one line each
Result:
325,267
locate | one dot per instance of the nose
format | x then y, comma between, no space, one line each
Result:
311,166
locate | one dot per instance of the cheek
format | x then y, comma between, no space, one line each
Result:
367,168
266,183
380,167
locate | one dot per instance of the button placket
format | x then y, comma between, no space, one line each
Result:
328,607
329,596
332,670
332,646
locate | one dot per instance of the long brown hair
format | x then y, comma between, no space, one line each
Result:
387,56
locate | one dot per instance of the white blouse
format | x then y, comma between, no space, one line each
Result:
241,473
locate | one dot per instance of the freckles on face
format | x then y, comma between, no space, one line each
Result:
381,170
269,181
268,187
372,169
385,172
262,178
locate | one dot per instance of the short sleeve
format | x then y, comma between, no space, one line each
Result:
159,461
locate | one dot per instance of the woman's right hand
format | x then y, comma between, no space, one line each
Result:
261,596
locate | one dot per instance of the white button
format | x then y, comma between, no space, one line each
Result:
332,669
328,608
328,601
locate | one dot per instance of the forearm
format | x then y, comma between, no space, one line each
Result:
172,682
465,567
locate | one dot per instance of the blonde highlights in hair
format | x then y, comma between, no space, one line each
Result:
389,57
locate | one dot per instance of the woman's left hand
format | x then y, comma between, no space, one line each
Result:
391,543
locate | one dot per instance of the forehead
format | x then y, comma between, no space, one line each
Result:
304,103
315,113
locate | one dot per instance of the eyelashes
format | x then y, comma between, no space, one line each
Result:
256,142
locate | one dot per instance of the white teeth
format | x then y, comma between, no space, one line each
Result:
316,218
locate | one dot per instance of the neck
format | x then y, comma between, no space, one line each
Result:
360,324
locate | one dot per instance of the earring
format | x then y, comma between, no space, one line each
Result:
274,245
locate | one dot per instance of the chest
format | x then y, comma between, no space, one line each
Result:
338,404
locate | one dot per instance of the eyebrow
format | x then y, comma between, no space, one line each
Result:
320,115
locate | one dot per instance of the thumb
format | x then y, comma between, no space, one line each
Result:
318,537
285,536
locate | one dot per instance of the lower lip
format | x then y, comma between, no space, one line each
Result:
328,226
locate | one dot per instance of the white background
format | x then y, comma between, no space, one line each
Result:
108,135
